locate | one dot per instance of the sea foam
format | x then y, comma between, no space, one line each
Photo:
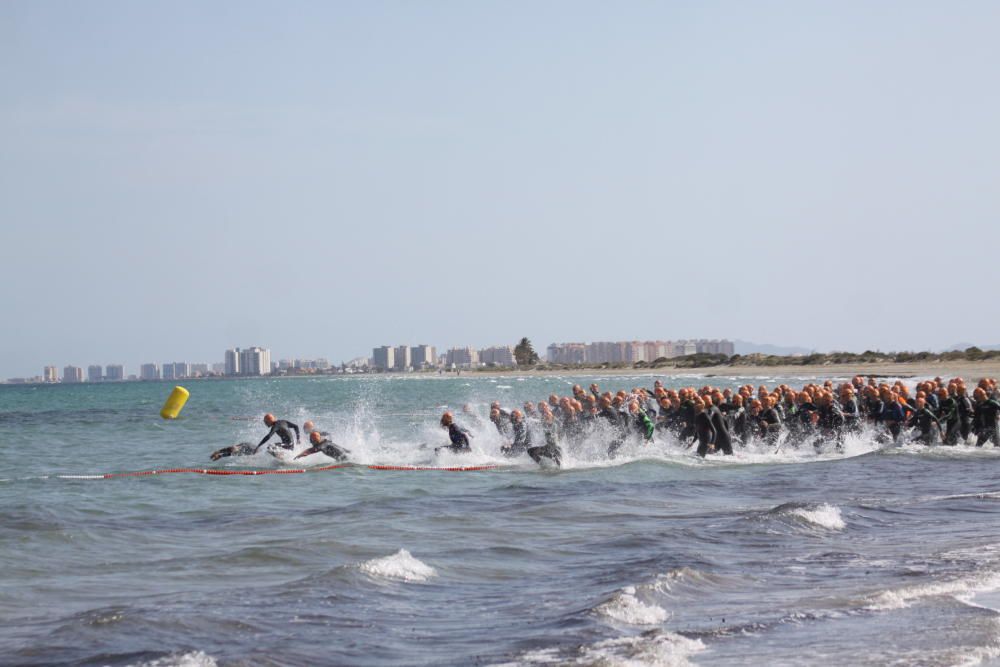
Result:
625,607
400,566
824,516
192,659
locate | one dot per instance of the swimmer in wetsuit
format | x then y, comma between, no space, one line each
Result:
522,437
324,446
241,449
550,450
283,429
459,436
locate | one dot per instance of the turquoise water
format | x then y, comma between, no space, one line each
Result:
873,556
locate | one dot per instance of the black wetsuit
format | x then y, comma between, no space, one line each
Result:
852,414
770,425
723,441
550,449
283,429
242,449
987,427
705,431
687,421
459,439
522,440
948,413
893,416
965,414
741,424
328,447
610,416
928,425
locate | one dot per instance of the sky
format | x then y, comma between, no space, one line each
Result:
177,178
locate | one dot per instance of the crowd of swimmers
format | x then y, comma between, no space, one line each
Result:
717,420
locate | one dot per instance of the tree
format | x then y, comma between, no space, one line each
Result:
524,354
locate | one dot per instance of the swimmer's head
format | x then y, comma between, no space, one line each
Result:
269,419
446,419
315,438
309,427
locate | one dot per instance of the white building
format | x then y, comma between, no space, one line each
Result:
384,358
114,372
50,374
498,355
149,372
424,356
402,361
94,373
255,361
232,362
72,374
462,356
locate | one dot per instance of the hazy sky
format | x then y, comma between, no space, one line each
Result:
321,178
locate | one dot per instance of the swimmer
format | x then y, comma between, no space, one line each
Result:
723,441
927,423
283,429
308,427
522,437
241,449
459,436
325,446
550,451
704,429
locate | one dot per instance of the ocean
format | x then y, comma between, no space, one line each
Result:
872,556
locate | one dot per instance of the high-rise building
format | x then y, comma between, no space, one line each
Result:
424,356
402,360
498,355
198,370
462,356
93,373
168,371
181,370
232,362
384,358
51,374
149,372
255,361
72,374
114,372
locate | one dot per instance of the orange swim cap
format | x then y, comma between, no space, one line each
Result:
315,438
269,419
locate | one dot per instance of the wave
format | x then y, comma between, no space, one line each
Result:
400,566
825,516
655,648
625,607
812,516
961,589
192,659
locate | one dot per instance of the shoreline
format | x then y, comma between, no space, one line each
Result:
946,369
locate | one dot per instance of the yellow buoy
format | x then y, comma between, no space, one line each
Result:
175,402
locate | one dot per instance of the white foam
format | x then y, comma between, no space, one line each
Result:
901,598
400,566
625,607
663,649
192,659
825,516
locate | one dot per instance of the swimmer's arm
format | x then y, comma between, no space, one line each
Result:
311,450
266,438
295,428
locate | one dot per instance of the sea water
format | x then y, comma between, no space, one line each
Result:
779,555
